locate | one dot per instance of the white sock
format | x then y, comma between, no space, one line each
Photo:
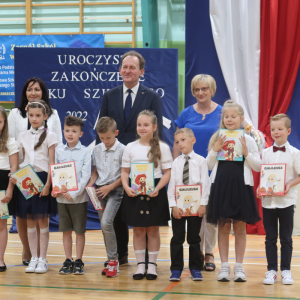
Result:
239,265
140,257
152,258
32,240
44,241
225,264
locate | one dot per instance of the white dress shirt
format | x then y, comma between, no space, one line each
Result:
252,161
291,157
13,148
39,158
133,93
136,153
18,124
198,174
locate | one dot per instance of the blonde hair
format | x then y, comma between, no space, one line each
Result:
106,124
204,78
284,117
154,153
4,133
227,104
185,130
45,109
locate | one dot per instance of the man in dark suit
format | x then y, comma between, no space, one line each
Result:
123,104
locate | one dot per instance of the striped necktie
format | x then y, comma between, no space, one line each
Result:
185,175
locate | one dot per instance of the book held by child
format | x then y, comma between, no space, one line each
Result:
63,176
272,179
94,198
188,198
232,150
4,213
28,182
142,177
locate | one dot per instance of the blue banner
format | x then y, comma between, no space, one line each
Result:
77,78
9,43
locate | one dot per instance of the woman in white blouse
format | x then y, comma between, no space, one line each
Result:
34,89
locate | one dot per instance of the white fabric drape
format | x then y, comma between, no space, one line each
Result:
236,32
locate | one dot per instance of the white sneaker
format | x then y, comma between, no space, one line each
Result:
286,277
271,277
42,266
224,274
32,265
239,274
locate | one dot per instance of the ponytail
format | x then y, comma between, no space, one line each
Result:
45,109
154,153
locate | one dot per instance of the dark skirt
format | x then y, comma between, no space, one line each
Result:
145,211
36,207
4,181
230,198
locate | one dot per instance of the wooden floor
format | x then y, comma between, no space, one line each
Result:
15,284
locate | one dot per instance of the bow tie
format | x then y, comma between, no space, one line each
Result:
275,149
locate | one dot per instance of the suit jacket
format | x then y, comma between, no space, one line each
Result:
112,106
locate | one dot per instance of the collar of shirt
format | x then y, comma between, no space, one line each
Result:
36,131
113,148
78,146
134,89
191,154
286,145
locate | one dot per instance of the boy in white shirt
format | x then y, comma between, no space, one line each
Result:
187,169
281,207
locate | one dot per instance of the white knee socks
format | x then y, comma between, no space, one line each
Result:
140,257
152,258
32,240
44,241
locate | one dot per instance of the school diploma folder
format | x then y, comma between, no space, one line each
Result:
232,150
272,179
63,177
188,198
94,198
28,182
142,177
4,213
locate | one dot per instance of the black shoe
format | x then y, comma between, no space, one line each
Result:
67,267
123,260
26,262
139,276
3,268
78,267
150,276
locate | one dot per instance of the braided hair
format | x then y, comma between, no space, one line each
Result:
154,153
45,109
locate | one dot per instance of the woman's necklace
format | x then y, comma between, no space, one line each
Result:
204,115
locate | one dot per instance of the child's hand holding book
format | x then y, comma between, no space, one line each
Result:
201,211
176,213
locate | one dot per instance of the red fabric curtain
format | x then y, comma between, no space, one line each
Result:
279,64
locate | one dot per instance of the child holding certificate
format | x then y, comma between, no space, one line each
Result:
232,197
281,208
146,212
187,169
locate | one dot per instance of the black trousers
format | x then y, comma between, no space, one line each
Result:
193,239
286,224
122,234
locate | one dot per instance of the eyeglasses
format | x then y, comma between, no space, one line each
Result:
204,89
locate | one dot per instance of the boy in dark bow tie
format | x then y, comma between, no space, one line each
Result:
281,207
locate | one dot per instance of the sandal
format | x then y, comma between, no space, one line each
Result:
211,266
139,276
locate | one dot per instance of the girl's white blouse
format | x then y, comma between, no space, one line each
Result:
13,148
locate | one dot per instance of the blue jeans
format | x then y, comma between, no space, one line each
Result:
111,204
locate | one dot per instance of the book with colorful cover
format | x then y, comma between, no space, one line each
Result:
142,178
63,177
4,213
188,198
94,198
272,179
232,150
28,182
